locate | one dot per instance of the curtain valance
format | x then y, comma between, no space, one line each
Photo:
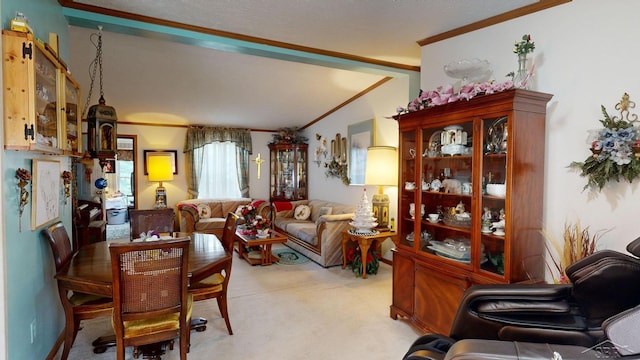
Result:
199,136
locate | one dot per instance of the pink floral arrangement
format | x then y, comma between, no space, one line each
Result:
446,94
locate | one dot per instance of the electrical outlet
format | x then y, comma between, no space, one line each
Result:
33,330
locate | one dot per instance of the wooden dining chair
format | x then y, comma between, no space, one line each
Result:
159,220
215,286
77,306
150,298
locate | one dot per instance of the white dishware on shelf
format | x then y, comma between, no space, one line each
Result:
499,190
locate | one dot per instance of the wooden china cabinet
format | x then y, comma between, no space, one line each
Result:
449,155
288,175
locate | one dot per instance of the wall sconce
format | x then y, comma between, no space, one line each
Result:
160,169
337,164
381,170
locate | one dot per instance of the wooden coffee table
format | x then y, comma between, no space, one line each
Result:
248,241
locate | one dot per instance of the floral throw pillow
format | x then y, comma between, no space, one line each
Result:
302,212
204,211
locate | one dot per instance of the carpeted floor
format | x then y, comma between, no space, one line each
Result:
289,312
117,231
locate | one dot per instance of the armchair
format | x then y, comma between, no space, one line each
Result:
77,306
216,285
160,220
150,298
603,286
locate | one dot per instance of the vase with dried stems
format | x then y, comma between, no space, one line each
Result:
576,244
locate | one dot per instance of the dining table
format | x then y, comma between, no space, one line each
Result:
89,271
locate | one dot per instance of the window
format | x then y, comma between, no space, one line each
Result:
227,161
219,177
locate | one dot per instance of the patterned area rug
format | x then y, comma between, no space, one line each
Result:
290,257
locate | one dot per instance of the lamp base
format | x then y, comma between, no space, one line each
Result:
161,198
380,207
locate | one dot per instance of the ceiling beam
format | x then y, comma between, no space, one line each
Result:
515,13
126,23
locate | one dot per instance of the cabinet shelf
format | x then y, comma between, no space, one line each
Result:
517,162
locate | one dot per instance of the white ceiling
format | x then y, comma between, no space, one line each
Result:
166,81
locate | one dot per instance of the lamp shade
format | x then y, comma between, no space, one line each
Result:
382,166
160,167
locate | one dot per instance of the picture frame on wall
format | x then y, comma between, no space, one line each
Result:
109,166
172,153
361,136
46,192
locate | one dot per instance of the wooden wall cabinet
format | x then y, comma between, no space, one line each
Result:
41,100
71,116
288,172
491,139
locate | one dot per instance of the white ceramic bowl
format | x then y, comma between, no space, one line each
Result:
499,190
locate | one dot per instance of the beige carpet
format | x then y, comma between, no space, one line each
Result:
289,312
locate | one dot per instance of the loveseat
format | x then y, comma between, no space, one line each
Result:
318,236
208,215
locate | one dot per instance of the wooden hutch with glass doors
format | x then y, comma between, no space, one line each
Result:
449,156
288,172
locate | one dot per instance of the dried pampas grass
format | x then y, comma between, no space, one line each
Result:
577,243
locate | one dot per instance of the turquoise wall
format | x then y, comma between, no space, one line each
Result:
31,290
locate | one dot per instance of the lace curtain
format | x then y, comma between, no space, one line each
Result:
199,136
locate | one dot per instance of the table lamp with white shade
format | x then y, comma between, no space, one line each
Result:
381,170
160,168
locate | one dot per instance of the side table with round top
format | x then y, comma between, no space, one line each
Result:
364,242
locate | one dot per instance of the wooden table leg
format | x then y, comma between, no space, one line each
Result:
364,250
267,257
345,239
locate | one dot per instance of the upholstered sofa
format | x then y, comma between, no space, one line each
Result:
319,236
208,215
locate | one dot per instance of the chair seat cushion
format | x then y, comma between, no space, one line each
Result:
213,280
79,298
135,328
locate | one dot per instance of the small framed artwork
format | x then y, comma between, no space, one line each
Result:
361,136
46,192
109,166
172,153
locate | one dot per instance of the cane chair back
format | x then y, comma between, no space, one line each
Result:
77,306
150,298
159,220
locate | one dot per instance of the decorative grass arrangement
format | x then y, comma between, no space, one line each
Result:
577,243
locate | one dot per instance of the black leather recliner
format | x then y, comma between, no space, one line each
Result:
571,316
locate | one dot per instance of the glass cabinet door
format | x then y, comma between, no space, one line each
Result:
301,178
288,177
71,116
445,189
494,189
46,100
407,166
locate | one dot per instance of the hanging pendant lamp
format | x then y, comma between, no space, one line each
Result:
101,118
